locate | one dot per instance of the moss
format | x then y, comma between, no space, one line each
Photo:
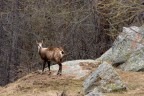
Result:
115,88
127,56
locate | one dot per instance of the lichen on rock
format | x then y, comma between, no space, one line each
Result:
105,79
127,51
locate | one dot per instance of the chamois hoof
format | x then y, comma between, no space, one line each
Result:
59,74
49,73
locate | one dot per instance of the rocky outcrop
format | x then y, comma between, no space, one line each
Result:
135,61
76,68
127,50
104,79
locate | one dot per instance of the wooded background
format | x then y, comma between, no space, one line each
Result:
84,28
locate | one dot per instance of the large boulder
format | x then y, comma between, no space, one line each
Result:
127,50
104,79
135,62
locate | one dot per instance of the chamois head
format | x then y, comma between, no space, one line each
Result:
39,44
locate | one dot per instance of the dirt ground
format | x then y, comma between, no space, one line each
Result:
36,84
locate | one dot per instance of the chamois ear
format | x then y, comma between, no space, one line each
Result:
42,41
36,42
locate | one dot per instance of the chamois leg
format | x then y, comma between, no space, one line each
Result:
43,66
48,62
60,69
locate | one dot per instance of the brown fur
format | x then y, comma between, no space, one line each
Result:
51,54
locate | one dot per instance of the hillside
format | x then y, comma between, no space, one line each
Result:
36,84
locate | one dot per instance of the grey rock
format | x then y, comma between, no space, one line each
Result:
127,50
135,62
95,92
105,79
73,68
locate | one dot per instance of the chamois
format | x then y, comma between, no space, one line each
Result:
51,54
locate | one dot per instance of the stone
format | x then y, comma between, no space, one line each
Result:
105,79
127,50
95,92
75,68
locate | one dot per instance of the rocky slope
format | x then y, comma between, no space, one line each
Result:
36,84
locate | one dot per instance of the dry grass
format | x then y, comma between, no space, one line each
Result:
36,84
